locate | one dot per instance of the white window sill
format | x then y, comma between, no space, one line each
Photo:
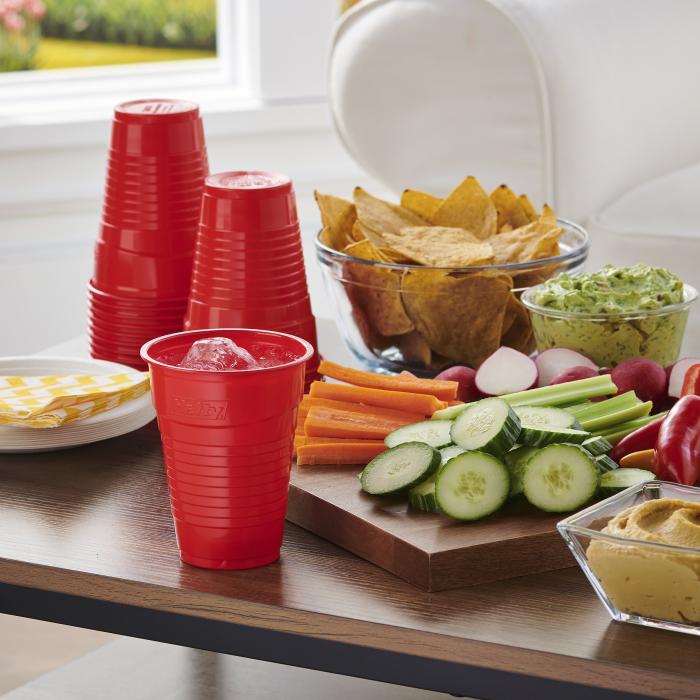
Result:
76,122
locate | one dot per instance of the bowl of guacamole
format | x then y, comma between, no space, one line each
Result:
612,315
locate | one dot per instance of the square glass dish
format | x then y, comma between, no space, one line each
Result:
640,577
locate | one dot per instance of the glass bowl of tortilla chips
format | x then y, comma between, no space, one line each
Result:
432,282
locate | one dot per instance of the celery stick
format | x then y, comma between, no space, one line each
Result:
603,408
554,395
611,420
617,432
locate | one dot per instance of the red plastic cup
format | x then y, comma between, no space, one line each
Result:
230,431
249,264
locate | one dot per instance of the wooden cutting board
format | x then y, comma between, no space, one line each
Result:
428,550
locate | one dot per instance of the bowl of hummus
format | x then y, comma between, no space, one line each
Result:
640,550
612,315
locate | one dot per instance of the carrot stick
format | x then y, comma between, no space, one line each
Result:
310,401
331,422
443,390
359,452
300,440
455,403
423,404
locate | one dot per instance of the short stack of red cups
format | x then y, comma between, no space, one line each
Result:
143,257
249,266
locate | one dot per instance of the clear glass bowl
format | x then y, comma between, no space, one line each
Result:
646,583
379,306
610,338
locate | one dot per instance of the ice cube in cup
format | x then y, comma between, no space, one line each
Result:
216,354
268,355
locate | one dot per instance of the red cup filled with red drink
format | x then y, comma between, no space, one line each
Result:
249,264
227,402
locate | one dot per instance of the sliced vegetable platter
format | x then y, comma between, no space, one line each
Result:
548,445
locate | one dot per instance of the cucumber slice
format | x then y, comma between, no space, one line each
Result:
605,463
447,453
560,478
472,485
435,433
597,445
422,497
539,437
544,417
621,479
399,468
489,425
515,461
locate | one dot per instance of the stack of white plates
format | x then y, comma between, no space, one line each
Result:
131,415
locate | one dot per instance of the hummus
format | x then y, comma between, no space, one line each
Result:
650,581
628,297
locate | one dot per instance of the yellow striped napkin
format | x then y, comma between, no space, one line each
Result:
47,402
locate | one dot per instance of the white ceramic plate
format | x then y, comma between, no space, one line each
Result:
131,415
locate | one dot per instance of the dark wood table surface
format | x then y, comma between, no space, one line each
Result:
86,539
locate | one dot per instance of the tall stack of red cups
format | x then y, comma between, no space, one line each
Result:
249,265
143,257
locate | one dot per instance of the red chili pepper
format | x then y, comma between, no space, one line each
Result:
691,381
678,446
643,438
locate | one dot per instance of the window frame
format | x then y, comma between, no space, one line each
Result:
239,78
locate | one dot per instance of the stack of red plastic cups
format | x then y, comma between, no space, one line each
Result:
249,265
143,257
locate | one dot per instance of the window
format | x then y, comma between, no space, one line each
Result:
51,34
264,53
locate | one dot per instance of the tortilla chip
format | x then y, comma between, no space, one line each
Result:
459,317
376,291
441,246
379,217
519,334
505,228
421,203
414,348
532,242
526,204
548,215
509,207
338,216
468,206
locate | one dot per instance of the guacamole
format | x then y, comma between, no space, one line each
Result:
628,296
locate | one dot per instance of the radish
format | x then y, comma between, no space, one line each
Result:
505,372
554,361
466,378
574,373
676,375
645,377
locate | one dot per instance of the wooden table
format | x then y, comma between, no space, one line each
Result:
86,539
